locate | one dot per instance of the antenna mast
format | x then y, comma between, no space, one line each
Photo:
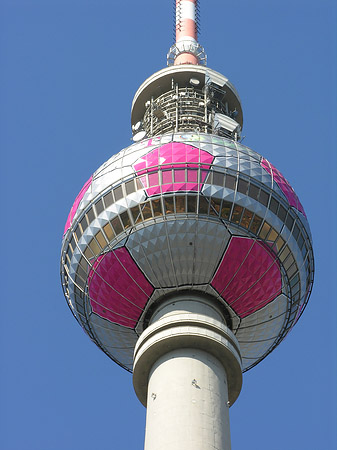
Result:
186,49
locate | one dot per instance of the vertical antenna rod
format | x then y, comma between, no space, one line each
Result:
186,29
186,50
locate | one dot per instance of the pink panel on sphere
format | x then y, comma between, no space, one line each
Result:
283,184
118,289
76,203
192,175
153,179
153,190
248,277
179,175
167,176
175,155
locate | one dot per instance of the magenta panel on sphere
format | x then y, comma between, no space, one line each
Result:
284,185
248,277
118,290
177,156
76,203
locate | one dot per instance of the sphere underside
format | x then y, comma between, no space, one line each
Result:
187,212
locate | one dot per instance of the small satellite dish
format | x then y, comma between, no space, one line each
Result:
194,82
139,136
137,126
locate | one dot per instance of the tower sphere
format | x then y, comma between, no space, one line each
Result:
187,208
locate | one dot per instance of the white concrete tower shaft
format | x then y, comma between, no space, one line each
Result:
187,372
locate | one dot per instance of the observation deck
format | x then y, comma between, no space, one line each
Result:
186,98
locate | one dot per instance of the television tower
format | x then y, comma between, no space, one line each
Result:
187,257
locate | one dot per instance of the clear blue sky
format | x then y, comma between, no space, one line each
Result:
69,70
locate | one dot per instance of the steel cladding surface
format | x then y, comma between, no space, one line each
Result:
187,211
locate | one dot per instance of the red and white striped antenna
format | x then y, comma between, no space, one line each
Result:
186,49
